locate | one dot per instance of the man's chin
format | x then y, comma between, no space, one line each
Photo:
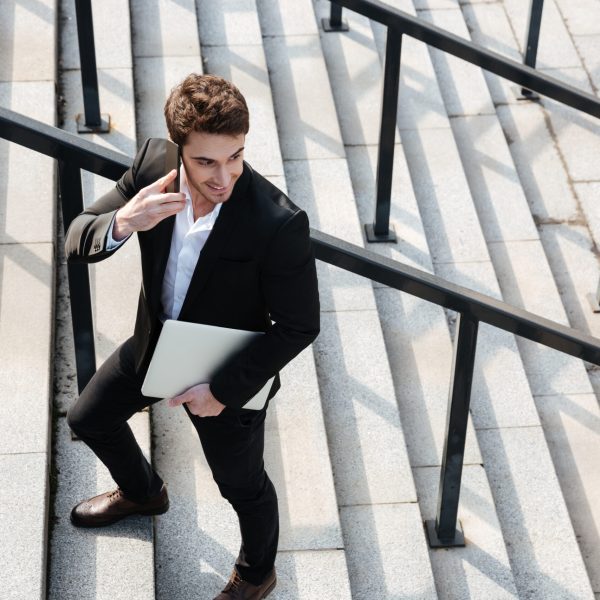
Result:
217,197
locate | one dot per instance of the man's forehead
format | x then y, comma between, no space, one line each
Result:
213,146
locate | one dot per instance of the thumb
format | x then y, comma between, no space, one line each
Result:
177,400
162,182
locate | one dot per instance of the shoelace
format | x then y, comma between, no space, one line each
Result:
236,581
114,495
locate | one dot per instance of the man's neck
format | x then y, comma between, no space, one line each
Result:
203,211
200,205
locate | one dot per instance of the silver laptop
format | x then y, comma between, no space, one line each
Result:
189,353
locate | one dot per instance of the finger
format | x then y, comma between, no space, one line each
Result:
177,400
160,214
157,199
157,207
171,197
162,182
166,210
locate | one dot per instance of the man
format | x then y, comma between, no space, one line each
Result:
229,250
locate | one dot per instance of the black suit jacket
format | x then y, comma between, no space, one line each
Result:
257,266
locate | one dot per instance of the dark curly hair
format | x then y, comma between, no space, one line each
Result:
205,103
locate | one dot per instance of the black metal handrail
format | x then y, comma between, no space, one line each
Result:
74,154
449,295
534,22
399,23
91,121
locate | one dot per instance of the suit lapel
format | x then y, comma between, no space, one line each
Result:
162,240
228,217
164,235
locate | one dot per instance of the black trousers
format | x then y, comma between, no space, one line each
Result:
232,442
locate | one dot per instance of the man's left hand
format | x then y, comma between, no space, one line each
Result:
200,401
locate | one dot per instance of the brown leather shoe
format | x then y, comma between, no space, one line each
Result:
111,507
238,589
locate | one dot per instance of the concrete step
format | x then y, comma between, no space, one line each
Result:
549,269
119,562
552,146
27,220
415,330
376,497
453,251
557,170
161,59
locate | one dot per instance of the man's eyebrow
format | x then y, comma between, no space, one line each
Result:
212,159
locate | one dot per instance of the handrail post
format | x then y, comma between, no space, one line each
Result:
595,300
446,530
380,230
533,37
71,200
335,21
93,121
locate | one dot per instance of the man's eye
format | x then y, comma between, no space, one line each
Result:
236,156
204,163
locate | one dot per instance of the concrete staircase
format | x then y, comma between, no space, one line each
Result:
491,192
27,285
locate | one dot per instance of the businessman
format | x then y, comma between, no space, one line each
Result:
231,250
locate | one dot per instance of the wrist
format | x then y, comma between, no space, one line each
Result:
120,228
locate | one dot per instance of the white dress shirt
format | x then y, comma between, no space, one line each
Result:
188,239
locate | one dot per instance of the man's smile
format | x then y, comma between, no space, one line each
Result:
218,188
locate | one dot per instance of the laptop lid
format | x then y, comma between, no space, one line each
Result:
190,353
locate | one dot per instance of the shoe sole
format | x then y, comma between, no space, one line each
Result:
268,591
90,525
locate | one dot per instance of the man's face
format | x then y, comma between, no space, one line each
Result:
213,162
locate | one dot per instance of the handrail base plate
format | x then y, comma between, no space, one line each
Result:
104,126
434,540
328,27
523,94
372,237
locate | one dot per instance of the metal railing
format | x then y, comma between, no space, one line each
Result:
399,23
534,22
74,154
91,121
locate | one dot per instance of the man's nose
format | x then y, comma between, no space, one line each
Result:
222,177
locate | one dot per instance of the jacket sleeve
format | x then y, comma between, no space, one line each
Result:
289,285
86,238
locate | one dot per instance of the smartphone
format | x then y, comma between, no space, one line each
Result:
172,161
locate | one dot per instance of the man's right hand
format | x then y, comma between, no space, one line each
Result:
148,208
